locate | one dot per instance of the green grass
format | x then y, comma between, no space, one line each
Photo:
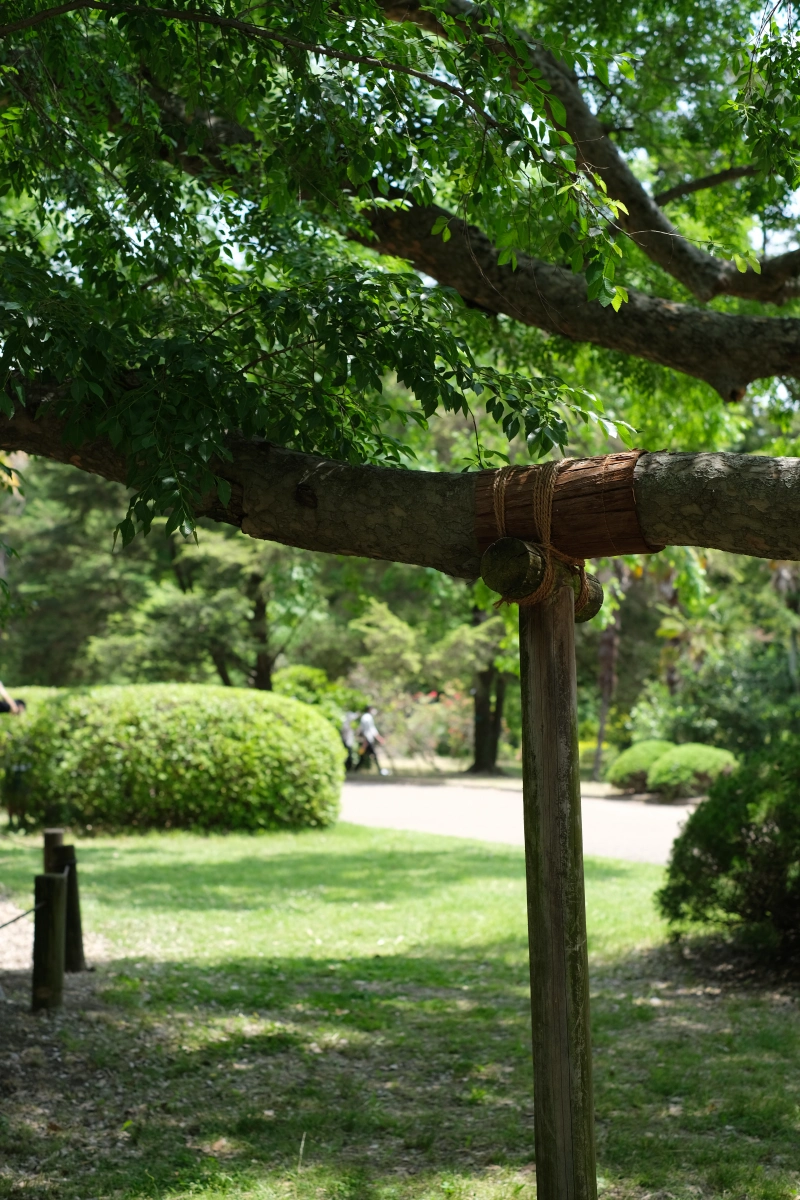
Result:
363,994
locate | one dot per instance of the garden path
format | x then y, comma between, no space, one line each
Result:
490,810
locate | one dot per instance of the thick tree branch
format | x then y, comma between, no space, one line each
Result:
743,503
727,351
700,185
646,224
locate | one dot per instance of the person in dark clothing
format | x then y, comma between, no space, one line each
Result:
349,741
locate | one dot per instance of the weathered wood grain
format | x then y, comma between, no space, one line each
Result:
563,1103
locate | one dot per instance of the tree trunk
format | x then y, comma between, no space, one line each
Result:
218,658
607,653
497,715
262,674
489,685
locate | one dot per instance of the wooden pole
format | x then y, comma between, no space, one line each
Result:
52,839
562,1067
50,897
66,862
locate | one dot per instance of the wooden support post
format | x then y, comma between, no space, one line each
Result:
52,839
66,862
50,892
562,1065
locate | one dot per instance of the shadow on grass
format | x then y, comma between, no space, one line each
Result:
391,1072
251,881
380,1067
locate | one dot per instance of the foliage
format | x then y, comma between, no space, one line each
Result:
310,685
87,611
736,860
173,756
121,187
631,768
688,770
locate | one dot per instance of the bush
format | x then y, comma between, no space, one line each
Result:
688,770
631,768
737,859
170,755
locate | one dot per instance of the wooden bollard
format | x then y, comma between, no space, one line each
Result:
50,897
52,839
66,862
561,1034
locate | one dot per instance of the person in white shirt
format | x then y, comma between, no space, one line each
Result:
370,738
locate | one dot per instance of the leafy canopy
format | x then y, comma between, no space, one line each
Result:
183,235
178,185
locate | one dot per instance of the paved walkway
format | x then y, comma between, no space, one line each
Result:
614,826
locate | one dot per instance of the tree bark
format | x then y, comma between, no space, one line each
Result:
746,504
221,666
725,350
607,653
262,673
490,690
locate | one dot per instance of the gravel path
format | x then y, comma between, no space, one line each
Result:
614,826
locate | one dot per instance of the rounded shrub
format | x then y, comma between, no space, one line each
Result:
172,755
737,859
688,770
630,769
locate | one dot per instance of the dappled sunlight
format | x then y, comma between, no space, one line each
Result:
363,996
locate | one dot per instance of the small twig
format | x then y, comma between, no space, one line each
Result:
258,31
300,1155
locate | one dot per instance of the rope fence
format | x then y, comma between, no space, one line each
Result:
27,913
57,930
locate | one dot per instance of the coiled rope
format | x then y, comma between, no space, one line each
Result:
542,492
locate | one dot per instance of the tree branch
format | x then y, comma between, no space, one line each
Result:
646,224
705,181
745,504
260,32
726,351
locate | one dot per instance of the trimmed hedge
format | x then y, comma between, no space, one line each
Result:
689,770
736,860
171,755
631,768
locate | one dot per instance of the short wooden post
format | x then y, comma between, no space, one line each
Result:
66,862
562,1065
52,839
50,897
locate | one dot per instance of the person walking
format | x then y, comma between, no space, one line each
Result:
369,740
349,741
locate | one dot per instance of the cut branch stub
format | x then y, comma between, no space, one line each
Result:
515,569
595,602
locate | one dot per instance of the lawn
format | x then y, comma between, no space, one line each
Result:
343,1015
